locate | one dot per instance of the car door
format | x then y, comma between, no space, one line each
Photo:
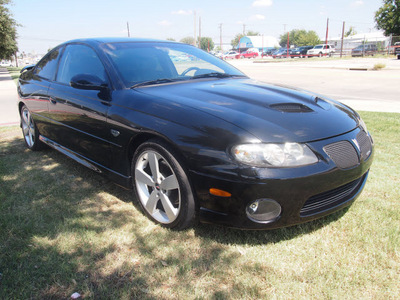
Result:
78,114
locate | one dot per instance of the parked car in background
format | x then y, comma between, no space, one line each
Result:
195,140
249,54
281,53
6,63
231,55
397,49
321,50
219,55
364,50
268,52
300,51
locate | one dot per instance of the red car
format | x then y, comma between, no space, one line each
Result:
249,54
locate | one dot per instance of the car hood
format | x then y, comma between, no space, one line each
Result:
271,113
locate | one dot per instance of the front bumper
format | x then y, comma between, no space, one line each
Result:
304,193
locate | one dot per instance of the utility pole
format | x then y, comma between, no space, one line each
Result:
199,32
127,26
327,29
220,37
244,29
341,48
195,42
287,47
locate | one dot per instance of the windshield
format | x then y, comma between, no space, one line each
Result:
317,47
160,62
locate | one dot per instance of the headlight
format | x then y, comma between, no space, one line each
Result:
362,124
274,155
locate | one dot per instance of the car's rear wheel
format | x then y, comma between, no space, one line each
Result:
29,130
161,185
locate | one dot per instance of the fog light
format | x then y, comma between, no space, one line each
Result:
263,210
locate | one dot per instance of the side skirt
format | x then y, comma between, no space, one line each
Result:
118,178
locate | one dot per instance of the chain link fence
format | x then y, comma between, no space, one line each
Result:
365,46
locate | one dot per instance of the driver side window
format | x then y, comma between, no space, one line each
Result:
79,59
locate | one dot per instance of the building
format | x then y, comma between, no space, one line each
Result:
351,42
260,41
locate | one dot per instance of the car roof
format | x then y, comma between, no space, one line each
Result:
106,40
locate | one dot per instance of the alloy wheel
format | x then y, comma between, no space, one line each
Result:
157,187
28,127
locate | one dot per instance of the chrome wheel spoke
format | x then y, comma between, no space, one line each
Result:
25,129
151,203
169,183
154,167
31,137
169,208
144,178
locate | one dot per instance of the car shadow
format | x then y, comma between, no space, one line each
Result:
226,235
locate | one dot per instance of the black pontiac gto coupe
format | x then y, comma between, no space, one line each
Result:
194,137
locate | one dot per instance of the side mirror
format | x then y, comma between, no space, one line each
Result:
27,68
87,82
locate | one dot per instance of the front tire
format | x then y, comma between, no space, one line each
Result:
162,187
29,130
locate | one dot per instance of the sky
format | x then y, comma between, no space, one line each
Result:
47,23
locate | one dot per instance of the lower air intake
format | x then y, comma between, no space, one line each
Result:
330,199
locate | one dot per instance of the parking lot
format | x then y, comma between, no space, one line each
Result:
351,80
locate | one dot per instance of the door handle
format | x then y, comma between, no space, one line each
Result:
53,101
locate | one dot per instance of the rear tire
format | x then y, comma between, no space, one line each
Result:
161,186
30,131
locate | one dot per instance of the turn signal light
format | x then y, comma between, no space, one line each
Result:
219,193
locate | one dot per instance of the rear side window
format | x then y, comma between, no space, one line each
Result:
79,59
47,67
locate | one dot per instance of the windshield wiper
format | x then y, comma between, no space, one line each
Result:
156,81
215,75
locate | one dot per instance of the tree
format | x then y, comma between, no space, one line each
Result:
206,43
300,37
171,39
252,33
187,40
350,32
238,36
8,32
388,17
236,40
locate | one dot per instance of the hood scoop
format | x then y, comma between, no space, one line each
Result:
291,107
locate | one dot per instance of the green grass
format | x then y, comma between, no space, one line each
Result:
64,229
14,73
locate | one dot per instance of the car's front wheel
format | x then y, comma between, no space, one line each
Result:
29,130
162,187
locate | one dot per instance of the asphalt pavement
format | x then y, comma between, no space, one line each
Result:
351,81
8,100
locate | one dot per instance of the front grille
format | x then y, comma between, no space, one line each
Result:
332,198
343,154
364,141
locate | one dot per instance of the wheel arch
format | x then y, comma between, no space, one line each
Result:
143,137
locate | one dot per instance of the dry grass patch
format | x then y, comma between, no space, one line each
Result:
64,229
